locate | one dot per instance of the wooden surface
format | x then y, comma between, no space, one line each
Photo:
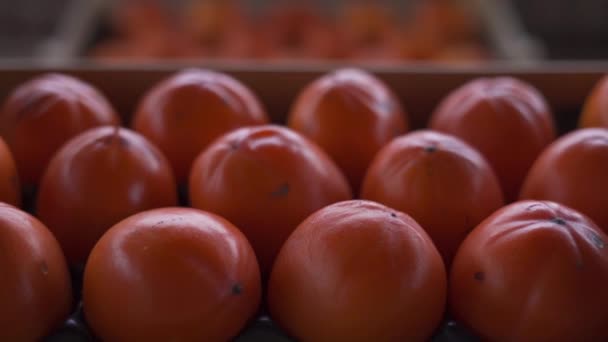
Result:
420,86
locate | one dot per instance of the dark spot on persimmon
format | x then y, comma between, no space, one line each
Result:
558,220
393,215
480,276
234,145
237,289
281,191
430,149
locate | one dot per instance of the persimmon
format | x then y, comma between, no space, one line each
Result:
185,112
43,113
572,171
351,114
35,290
295,30
533,271
265,180
171,274
220,27
358,271
595,109
369,31
10,189
97,179
506,119
442,182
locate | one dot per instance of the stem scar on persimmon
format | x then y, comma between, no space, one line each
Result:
237,289
281,191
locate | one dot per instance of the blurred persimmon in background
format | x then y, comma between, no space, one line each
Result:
369,31
361,30
295,30
220,27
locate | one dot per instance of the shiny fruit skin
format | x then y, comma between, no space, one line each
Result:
358,271
572,171
97,179
507,120
35,290
533,271
40,115
351,114
442,182
265,180
595,109
190,109
10,189
171,274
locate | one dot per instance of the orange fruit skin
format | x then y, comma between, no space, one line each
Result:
533,271
358,271
351,114
572,171
171,274
442,182
35,291
10,188
97,179
507,120
595,108
187,111
265,180
43,113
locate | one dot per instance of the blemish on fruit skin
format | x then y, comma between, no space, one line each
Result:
237,289
281,191
234,145
430,149
479,276
393,215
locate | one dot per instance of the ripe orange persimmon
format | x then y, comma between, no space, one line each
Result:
265,180
35,290
442,182
533,271
358,271
507,120
171,274
97,179
187,111
43,113
351,114
595,109
572,171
